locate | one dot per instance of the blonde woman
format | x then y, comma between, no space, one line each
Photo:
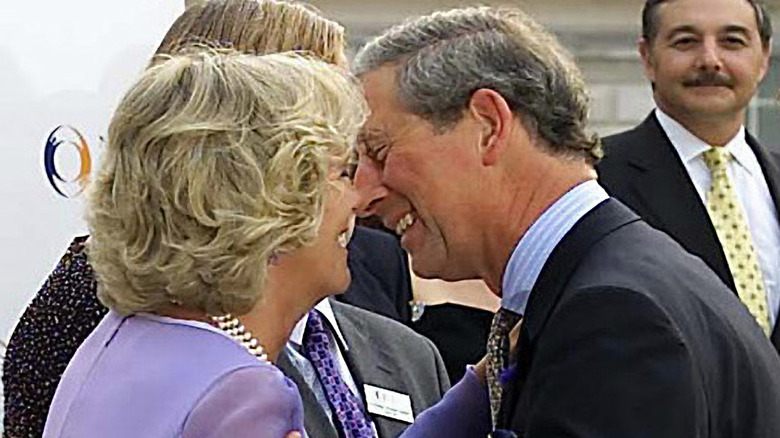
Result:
67,308
224,192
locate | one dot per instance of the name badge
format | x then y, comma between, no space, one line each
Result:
389,403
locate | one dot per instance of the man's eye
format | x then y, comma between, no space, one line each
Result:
379,153
682,43
734,42
349,171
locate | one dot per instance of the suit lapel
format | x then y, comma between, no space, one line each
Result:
315,419
669,198
605,218
367,364
770,166
370,367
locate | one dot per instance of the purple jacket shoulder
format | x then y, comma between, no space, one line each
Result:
140,376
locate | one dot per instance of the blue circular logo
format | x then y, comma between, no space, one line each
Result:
68,136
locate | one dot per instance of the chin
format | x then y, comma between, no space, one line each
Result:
715,110
429,271
446,271
709,102
342,286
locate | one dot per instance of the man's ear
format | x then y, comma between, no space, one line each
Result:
766,52
495,118
646,54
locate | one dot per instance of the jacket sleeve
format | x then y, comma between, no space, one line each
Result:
251,402
441,369
464,412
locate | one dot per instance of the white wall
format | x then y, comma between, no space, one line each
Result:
60,63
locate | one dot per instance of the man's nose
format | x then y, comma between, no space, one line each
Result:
370,189
352,198
709,56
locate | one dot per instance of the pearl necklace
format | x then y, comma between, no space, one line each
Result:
233,328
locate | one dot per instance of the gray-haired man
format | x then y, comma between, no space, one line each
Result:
476,154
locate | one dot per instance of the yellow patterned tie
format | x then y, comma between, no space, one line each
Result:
734,237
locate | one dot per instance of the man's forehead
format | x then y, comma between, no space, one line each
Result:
387,118
689,15
379,83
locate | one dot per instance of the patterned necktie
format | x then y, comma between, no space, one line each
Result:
318,348
498,356
734,237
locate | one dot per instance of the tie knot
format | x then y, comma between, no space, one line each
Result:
314,324
716,158
504,321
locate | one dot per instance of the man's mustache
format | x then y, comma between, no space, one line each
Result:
709,79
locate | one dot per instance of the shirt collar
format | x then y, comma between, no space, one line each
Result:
689,147
324,307
533,249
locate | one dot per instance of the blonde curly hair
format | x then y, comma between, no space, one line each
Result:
215,161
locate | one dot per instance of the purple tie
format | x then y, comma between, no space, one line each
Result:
317,346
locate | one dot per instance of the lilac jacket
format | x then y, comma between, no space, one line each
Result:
464,412
152,377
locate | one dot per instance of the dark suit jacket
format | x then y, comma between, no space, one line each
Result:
642,169
381,353
381,281
628,335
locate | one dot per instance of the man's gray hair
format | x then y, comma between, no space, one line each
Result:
444,57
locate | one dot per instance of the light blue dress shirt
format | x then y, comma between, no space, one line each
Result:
534,248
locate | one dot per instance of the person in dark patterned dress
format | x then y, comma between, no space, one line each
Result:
62,314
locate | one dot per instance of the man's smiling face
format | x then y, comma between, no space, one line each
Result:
707,58
416,179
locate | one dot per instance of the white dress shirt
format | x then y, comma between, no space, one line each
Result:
751,188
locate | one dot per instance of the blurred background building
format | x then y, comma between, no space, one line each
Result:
601,34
